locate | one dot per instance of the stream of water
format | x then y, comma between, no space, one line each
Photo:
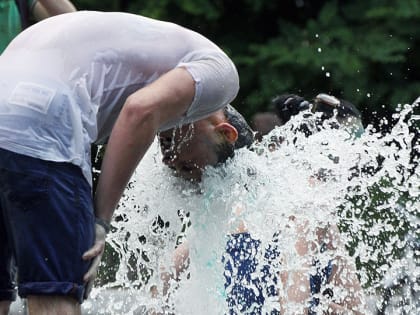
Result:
367,187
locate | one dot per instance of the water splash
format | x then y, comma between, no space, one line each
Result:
368,187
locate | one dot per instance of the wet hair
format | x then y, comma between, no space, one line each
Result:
226,150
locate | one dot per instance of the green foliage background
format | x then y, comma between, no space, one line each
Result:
363,51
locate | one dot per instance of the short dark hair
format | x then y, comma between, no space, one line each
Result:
226,150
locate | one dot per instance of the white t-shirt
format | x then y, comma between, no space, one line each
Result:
64,80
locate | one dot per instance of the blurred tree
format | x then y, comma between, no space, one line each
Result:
363,51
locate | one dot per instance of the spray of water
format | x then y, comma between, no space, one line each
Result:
287,188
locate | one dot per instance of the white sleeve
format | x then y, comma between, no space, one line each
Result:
216,82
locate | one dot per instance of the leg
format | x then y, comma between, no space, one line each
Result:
4,307
52,305
7,270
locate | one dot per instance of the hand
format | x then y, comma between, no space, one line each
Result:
95,254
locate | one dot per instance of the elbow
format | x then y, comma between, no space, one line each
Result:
138,115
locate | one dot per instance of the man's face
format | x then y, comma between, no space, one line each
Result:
189,149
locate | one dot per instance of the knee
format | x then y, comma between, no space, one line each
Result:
53,305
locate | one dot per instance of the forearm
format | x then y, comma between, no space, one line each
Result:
348,296
295,279
296,291
142,115
351,295
124,150
43,9
55,7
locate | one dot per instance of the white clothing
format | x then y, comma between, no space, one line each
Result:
64,80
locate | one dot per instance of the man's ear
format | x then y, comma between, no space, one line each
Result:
228,131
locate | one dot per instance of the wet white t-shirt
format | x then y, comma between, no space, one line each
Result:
64,80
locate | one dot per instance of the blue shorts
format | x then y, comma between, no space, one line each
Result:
249,283
47,223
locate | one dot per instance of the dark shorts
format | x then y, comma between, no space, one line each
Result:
46,224
248,281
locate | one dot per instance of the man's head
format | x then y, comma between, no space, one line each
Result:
210,141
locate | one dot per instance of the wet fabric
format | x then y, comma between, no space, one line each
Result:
102,58
250,277
42,120
47,214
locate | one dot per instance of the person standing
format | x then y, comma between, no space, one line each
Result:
65,83
16,15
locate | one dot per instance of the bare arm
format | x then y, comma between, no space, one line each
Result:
168,274
46,8
344,278
140,118
180,262
294,292
348,298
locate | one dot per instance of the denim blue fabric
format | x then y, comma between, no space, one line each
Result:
47,214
